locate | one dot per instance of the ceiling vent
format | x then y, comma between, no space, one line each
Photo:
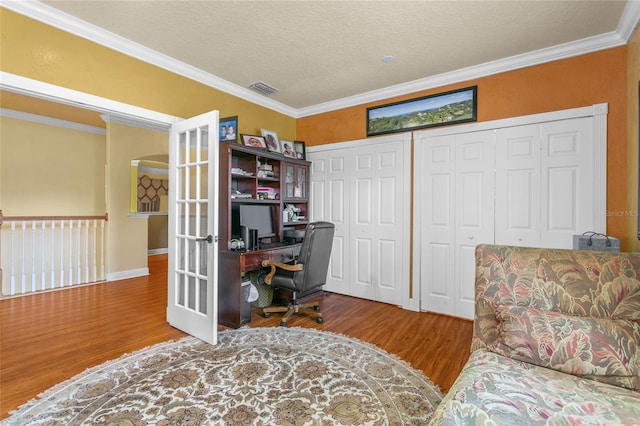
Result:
263,88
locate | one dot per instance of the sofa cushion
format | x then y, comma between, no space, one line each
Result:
576,282
603,349
496,390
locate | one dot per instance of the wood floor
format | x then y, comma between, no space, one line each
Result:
50,337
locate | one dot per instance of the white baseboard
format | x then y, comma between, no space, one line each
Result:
123,275
157,251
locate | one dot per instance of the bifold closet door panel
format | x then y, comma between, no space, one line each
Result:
363,188
377,206
518,186
474,211
329,201
434,198
568,179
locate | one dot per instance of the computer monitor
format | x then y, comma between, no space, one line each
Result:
260,217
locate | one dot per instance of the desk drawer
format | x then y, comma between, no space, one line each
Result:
252,260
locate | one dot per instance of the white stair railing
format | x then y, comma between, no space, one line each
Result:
50,252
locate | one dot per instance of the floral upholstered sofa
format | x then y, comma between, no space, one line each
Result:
556,340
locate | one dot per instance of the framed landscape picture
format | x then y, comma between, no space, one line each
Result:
228,129
442,109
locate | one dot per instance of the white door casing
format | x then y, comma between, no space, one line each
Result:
193,222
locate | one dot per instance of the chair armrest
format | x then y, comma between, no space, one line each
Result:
274,265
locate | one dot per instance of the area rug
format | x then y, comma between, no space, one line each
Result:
260,376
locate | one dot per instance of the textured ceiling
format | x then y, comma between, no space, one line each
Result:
318,52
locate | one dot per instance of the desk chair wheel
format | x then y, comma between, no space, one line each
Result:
266,314
319,320
283,324
316,307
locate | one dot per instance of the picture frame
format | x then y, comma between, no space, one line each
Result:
223,129
300,150
254,141
271,139
287,149
442,109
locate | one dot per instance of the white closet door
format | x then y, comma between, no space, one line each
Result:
455,180
434,197
363,187
377,211
567,169
329,201
517,215
474,212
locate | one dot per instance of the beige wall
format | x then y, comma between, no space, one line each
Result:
32,49
127,234
49,170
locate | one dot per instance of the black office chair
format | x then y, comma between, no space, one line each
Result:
305,275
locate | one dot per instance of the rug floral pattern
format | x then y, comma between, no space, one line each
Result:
263,376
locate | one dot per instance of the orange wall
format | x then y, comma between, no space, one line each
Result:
570,83
633,138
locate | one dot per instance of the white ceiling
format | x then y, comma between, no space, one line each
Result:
323,55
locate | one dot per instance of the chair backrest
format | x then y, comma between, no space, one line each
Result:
314,255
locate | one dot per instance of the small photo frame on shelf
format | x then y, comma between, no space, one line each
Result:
287,149
254,141
300,150
228,128
271,139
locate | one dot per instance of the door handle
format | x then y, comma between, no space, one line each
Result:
208,238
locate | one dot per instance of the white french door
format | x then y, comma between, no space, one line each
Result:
193,224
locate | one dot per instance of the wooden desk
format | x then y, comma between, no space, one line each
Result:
231,265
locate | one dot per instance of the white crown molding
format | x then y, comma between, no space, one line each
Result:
50,16
55,18
629,20
537,57
41,119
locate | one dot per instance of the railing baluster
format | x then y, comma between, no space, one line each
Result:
33,256
61,253
102,253
22,272
42,268
70,252
74,255
95,225
86,251
53,254
13,259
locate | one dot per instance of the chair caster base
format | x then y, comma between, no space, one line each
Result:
283,324
266,314
319,320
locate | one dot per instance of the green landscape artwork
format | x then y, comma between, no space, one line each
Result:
458,106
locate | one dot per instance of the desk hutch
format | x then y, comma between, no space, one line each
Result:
255,176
